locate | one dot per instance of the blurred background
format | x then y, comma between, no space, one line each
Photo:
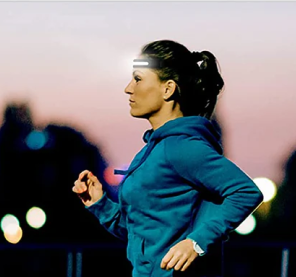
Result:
63,70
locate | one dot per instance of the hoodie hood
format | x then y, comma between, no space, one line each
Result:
192,126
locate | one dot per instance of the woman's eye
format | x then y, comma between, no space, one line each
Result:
137,78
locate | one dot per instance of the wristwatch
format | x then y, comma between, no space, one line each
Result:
197,249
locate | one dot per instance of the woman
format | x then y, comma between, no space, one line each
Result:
180,196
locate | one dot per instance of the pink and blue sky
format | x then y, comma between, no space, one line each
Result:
72,61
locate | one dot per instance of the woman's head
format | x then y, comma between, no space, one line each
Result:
146,93
198,81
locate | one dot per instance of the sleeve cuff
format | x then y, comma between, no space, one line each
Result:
197,248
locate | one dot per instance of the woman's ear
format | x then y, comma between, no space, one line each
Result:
170,87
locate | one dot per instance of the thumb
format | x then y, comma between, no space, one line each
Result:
93,178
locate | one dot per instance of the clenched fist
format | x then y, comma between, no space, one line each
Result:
88,188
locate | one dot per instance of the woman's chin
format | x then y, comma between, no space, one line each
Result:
136,114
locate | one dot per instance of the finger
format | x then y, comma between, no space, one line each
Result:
80,187
74,189
175,259
77,190
171,264
92,177
186,265
89,182
166,259
83,173
180,263
80,184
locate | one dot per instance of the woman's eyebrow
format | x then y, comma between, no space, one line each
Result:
134,73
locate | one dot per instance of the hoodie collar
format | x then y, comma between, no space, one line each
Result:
195,126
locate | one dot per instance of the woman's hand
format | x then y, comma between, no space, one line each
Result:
180,256
88,188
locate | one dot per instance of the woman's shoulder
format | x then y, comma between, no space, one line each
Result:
182,148
186,142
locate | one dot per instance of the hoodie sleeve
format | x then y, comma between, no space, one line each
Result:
109,216
215,175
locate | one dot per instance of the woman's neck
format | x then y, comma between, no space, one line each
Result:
157,121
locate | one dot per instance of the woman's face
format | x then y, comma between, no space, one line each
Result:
146,93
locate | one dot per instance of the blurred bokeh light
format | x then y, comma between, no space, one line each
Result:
36,217
36,140
13,233
247,226
9,220
267,186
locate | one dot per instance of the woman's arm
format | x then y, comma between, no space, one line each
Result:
109,216
90,191
217,178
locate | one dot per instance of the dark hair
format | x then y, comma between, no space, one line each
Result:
198,84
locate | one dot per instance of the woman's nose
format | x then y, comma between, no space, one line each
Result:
129,88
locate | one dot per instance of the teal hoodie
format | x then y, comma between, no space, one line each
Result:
178,186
